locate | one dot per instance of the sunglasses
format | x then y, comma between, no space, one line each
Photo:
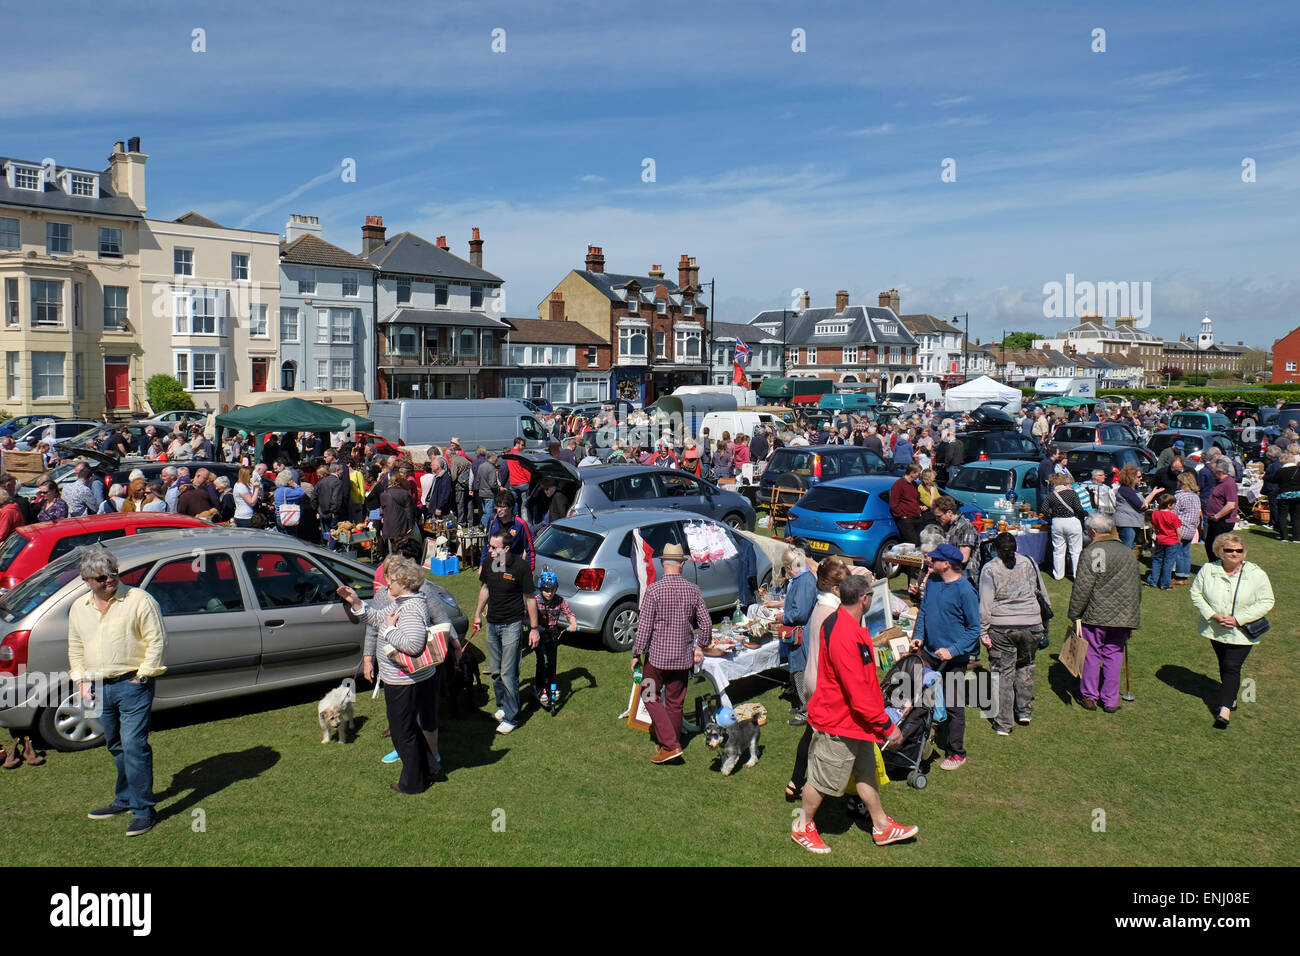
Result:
1234,550
104,578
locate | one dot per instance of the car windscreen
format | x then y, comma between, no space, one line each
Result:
1086,462
1187,420
1191,443
829,500
568,544
980,480
787,462
1079,433
12,547
33,592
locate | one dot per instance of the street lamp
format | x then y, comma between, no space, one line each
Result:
965,340
710,284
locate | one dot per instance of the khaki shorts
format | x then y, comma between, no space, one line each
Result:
832,760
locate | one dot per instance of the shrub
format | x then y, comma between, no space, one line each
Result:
166,395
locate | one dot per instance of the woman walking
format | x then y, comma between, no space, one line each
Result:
1012,603
1066,511
1230,594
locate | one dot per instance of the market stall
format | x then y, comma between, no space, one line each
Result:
291,415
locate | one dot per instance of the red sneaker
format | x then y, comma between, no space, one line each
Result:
893,833
810,839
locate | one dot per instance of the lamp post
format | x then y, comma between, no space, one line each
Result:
965,339
710,284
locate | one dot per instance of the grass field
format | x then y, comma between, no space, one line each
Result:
579,789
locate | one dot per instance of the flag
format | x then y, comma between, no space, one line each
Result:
643,562
743,352
738,376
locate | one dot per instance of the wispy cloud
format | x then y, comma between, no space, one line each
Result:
952,101
591,178
1160,79
884,129
966,121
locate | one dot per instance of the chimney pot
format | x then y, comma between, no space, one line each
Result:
805,301
119,147
595,259
372,234
133,144
441,242
476,250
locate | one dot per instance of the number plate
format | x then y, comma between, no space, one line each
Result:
819,545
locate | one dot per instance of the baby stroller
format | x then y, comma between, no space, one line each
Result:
904,684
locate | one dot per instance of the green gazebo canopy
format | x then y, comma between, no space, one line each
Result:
291,415
1067,401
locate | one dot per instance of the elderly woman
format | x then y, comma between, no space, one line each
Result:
135,491
1286,499
53,507
1130,508
1011,627
225,501
411,699
829,575
397,511
800,597
287,492
1229,594
1187,505
155,497
1066,511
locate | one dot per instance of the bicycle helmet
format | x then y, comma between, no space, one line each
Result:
548,581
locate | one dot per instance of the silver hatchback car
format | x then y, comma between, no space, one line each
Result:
591,554
244,611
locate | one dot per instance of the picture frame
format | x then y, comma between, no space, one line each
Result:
879,616
637,715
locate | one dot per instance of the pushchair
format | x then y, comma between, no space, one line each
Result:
905,684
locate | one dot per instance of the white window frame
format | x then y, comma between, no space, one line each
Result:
355,280
322,373
83,184
682,345
661,345
181,369
1290,366
289,320
395,341
306,286
14,376
16,233
110,249
322,327
340,374
13,302
79,376
812,356
661,306
258,328
37,375
27,174
238,268
117,325
557,391
850,354
185,368
187,321
831,328
633,303
625,337
37,303
182,258
50,239
516,387
341,321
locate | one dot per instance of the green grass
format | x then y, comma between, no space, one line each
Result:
579,789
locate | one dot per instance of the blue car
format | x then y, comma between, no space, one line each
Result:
12,426
981,483
848,517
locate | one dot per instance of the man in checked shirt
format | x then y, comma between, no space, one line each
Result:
670,606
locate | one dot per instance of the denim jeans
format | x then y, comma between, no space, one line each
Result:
1127,536
521,500
127,709
488,509
1183,560
1163,560
503,662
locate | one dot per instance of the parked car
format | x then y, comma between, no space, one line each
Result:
806,466
1194,442
1269,416
981,483
1085,459
1072,434
1199,421
987,445
613,487
31,547
113,470
848,517
12,426
64,429
540,406
254,611
1254,440
591,554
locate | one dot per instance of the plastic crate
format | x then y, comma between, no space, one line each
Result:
443,567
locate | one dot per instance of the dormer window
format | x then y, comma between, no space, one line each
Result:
831,328
25,177
633,303
82,184
888,328
661,306
688,308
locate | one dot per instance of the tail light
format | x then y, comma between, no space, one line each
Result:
817,466
983,457
855,525
13,653
590,579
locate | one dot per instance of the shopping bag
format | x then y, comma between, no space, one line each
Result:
1073,651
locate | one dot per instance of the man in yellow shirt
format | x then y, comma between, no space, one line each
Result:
116,639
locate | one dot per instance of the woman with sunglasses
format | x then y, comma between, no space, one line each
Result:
1230,593
53,507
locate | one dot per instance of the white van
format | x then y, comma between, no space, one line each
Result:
1064,387
737,423
909,396
493,423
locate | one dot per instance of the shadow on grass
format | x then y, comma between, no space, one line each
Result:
211,775
243,706
1064,684
1186,681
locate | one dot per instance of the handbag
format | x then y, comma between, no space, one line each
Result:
1253,629
289,515
433,653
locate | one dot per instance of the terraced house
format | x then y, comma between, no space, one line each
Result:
327,315
438,317
70,241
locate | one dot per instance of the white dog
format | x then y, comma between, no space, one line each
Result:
335,711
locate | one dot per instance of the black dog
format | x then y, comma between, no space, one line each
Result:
461,678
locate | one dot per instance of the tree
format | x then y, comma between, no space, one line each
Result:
1173,371
1020,340
166,395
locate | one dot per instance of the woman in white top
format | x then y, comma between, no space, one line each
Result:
247,493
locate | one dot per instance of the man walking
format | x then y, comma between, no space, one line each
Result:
116,638
1221,506
507,593
669,609
847,717
1105,605
440,499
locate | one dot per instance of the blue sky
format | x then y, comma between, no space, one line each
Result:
777,170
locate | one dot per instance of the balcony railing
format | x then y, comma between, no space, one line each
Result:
457,358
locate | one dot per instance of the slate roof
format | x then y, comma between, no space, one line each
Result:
409,254
1213,349
867,325
471,320
729,331
314,251
920,323
551,332
610,284
1098,330
51,197
192,218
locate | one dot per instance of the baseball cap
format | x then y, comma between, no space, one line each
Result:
947,552
1179,444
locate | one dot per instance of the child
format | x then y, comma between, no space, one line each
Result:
550,608
1165,524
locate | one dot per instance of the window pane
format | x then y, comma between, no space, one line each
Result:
283,579
110,242
205,586
349,283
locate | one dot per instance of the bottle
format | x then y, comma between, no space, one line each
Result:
737,616
637,674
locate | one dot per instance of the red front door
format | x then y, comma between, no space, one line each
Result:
117,382
259,374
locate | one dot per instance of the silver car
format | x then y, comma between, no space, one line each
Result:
245,611
591,554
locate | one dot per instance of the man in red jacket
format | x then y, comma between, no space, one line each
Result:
847,716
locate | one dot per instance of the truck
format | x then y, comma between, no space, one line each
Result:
1065,388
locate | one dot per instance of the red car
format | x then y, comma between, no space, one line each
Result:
382,445
33,546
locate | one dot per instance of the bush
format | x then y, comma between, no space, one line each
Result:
166,395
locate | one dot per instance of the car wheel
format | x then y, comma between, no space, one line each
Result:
734,521
68,728
619,631
879,568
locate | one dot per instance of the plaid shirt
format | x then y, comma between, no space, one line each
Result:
669,606
81,499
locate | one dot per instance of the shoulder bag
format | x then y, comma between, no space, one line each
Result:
1044,609
433,654
289,515
1253,629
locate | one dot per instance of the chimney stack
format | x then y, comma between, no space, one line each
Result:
1123,321
126,171
372,234
656,272
441,243
841,301
476,250
299,225
695,274
595,259
893,300
557,306
805,301
684,271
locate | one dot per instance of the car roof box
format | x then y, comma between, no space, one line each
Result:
991,418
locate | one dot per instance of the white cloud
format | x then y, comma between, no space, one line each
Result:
883,129
952,101
591,178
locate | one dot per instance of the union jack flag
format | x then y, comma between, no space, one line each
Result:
743,352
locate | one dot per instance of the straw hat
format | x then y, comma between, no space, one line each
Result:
673,552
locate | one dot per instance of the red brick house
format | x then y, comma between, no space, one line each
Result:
1286,357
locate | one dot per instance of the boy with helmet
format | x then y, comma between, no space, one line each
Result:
550,609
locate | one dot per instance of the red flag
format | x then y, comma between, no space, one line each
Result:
643,560
738,376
